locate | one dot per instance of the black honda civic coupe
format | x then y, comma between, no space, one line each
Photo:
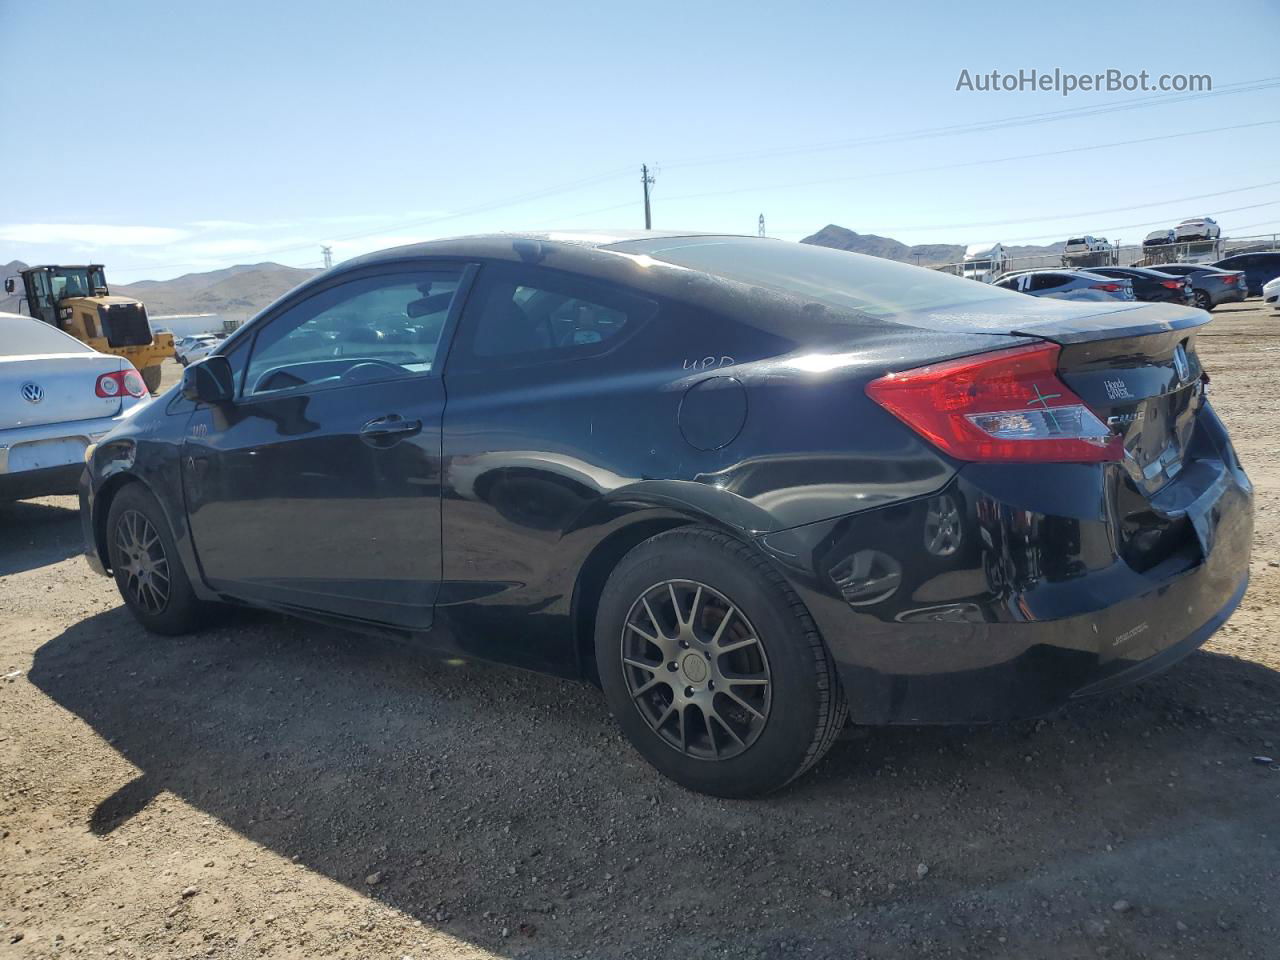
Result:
753,489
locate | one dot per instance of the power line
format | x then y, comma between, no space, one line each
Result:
1151,223
938,168
958,166
982,126
482,208
1084,213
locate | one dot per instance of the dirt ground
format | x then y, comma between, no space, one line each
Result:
270,788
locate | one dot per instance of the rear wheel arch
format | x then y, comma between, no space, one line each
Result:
594,573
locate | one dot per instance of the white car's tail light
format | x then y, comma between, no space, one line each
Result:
121,382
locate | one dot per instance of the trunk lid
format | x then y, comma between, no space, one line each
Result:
54,388
1146,387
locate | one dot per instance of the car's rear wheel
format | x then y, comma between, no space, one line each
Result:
1203,301
146,566
712,666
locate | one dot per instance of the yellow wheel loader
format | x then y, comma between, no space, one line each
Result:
76,300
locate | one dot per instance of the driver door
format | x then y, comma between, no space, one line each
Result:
318,488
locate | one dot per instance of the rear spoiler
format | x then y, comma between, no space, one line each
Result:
1062,321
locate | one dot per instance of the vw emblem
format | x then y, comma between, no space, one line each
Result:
32,392
1181,365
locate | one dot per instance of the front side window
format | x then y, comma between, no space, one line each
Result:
371,328
523,315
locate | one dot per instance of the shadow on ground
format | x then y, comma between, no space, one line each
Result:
488,798
43,532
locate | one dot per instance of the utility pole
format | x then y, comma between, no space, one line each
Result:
760,228
328,256
646,180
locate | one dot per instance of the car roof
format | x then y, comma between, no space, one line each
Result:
1071,271
504,244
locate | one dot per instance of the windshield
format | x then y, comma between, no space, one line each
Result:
979,265
76,281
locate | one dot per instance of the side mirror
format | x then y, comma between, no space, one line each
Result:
210,380
8,285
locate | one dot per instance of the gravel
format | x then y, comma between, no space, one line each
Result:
330,795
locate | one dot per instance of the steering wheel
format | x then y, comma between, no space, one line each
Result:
371,369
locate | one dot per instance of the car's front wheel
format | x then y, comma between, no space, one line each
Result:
712,666
145,562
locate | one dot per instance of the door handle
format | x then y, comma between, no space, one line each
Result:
389,430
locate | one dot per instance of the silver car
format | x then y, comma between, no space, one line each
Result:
1068,285
57,395
183,347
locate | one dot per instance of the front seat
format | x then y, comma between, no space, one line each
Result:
507,329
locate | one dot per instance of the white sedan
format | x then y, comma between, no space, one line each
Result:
1271,293
57,395
201,350
183,347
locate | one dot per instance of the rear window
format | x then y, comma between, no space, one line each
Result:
847,281
20,336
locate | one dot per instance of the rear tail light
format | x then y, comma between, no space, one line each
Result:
121,382
1008,405
1109,287
1172,284
1230,278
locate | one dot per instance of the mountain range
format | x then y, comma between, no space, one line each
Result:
925,254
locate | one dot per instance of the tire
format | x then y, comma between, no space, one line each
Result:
1203,301
136,526
151,377
757,737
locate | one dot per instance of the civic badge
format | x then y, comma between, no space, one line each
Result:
32,392
1181,365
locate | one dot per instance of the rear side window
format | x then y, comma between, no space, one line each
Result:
518,316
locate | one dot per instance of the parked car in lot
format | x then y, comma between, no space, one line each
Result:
1152,286
1159,238
749,487
57,395
1258,268
1211,285
182,347
1271,293
1197,228
199,351
1068,285
1085,244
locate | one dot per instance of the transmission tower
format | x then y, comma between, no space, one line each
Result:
761,225
328,256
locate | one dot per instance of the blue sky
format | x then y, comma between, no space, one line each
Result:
190,137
